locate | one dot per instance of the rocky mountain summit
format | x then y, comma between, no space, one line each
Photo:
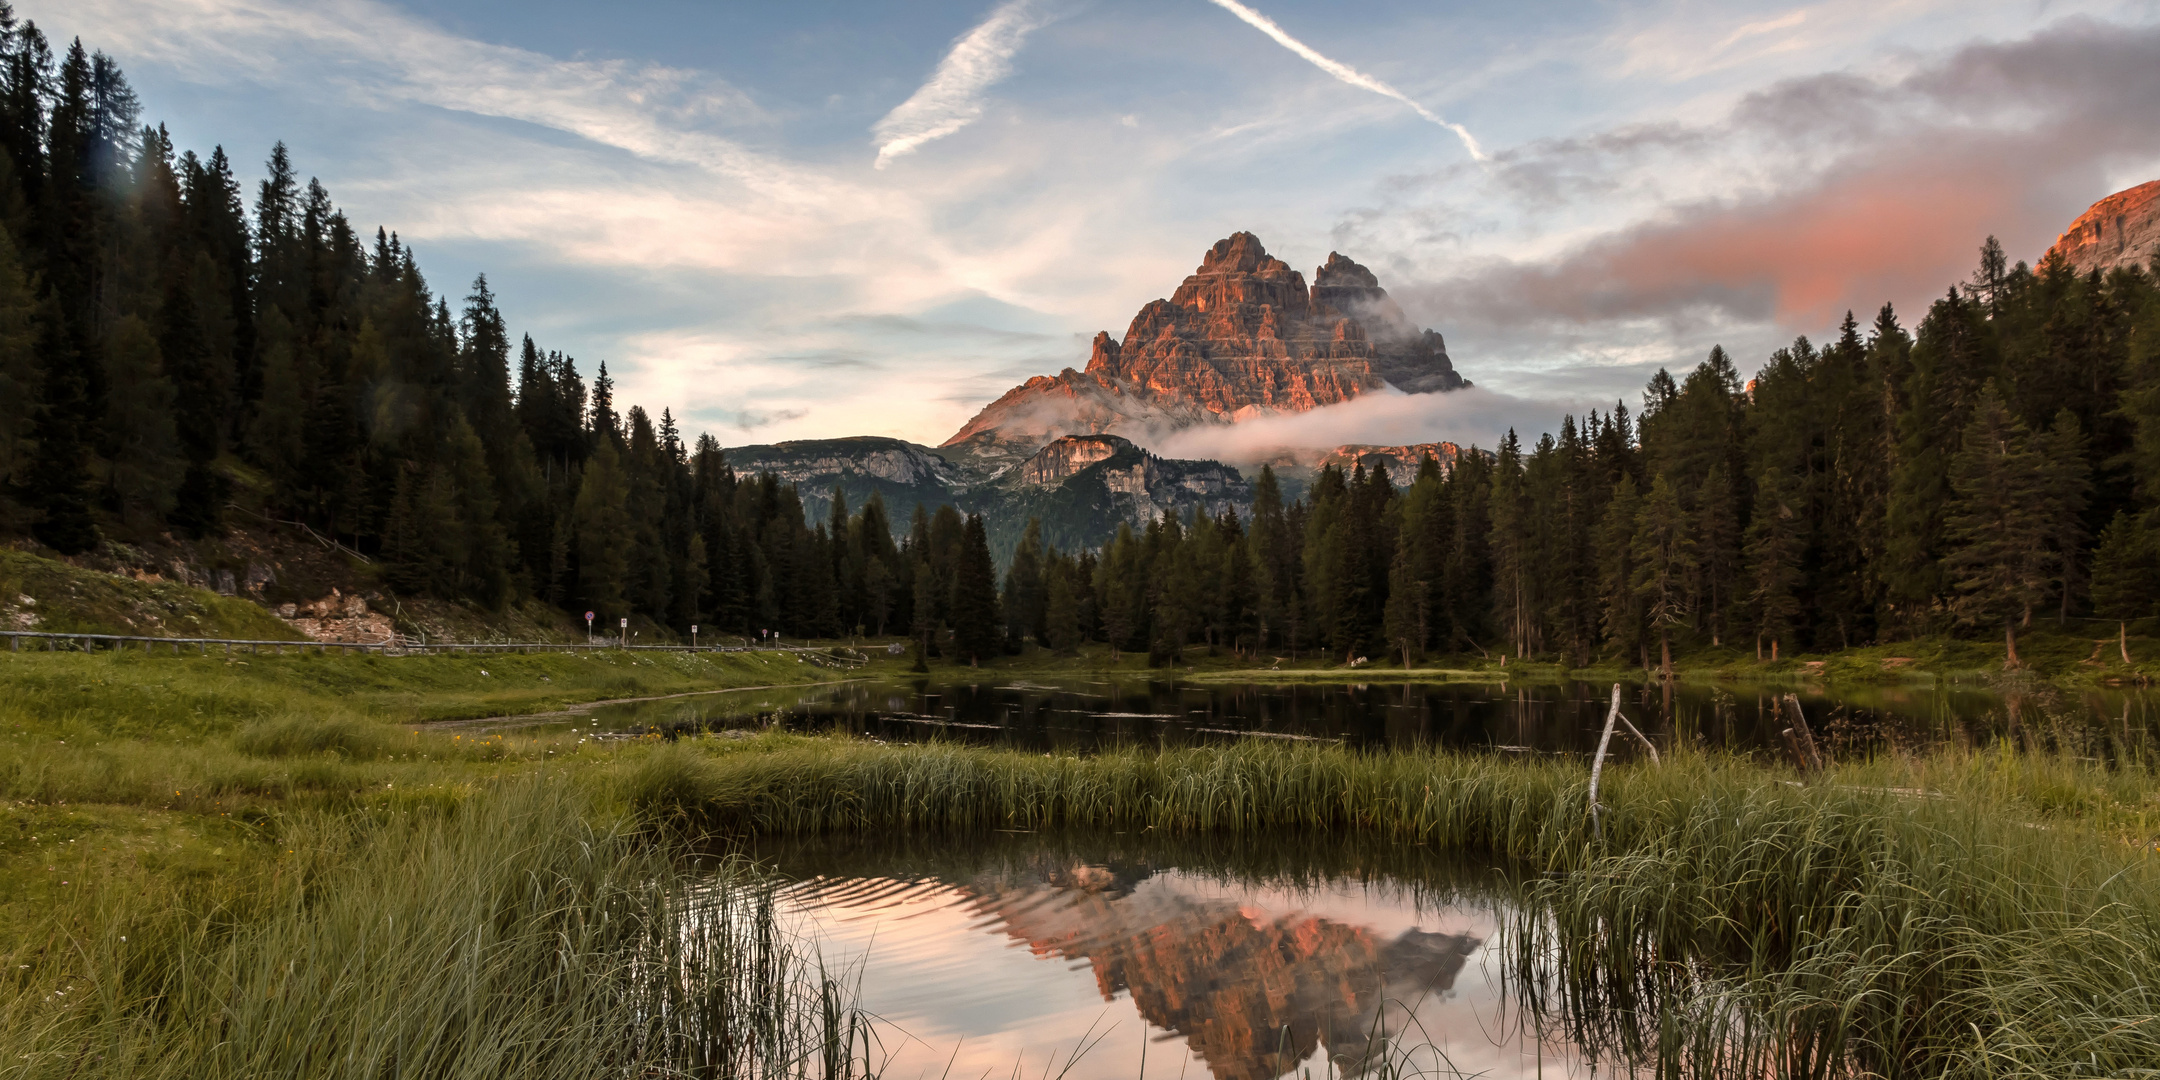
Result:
2120,230
1243,337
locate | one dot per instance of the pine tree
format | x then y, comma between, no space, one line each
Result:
602,531
1026,593
977,628
1773,558
2126,568
1999,523
1620,608
146,466
1061,612
20,385
59,474
1716,529
1664,557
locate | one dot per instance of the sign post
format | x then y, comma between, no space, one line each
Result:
588,629
693,637
624,640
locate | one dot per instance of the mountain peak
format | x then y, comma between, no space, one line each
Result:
1241,337
1242,253
2120,230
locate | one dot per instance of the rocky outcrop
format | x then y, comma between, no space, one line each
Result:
902,473
1081,487
1066,456
1250,989
2120,230
1242,337
1402,462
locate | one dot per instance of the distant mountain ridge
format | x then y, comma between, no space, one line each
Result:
1081,487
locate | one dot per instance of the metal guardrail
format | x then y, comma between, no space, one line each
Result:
54,641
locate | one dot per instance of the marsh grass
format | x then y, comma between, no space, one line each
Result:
1730,921
275,877
515,937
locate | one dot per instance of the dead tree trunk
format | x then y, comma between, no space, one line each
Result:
1801,738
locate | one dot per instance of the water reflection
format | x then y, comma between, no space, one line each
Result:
1562,717
988,955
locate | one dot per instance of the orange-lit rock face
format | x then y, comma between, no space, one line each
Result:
1252,992
1242,336
2120,230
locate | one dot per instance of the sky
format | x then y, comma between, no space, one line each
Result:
812,220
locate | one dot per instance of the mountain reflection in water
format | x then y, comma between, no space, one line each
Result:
979,961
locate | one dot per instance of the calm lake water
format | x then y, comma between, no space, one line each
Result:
1129,956
1111,957
1563,717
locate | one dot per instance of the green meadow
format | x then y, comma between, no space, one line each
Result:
275,866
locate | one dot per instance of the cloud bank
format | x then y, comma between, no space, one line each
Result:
1825,193
1472,416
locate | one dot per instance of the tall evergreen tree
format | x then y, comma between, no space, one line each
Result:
977,628
2000,523
1664,557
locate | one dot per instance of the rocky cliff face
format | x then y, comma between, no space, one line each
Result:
1067,456
2120,230
1083,486
1402,462
902,473
1242,337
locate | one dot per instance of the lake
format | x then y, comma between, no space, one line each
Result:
1143,956
1553,717
1115,957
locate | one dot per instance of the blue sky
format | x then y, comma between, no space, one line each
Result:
821,219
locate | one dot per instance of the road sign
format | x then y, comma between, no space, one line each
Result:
588,616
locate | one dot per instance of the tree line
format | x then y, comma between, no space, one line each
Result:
169,344
1997,465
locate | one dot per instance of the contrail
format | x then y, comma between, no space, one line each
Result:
1345,72
952,99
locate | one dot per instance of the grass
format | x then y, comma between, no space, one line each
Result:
1988,928
261,867
515,937
68,599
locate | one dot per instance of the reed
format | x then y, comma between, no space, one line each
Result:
1728,922
515,937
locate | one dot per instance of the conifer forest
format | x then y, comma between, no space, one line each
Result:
168,337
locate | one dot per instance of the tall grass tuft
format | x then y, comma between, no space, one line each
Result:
510,938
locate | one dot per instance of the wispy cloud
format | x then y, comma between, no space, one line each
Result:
952,99
1345,72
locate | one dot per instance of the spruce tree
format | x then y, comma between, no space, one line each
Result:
1716,528
1665,561
2126,568
978,631
1621,609
59,473
602,531
1999,523
1026,596
1774,549
1061,611
146,466
20,386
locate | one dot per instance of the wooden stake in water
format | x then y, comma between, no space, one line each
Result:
1597,764
1803,740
